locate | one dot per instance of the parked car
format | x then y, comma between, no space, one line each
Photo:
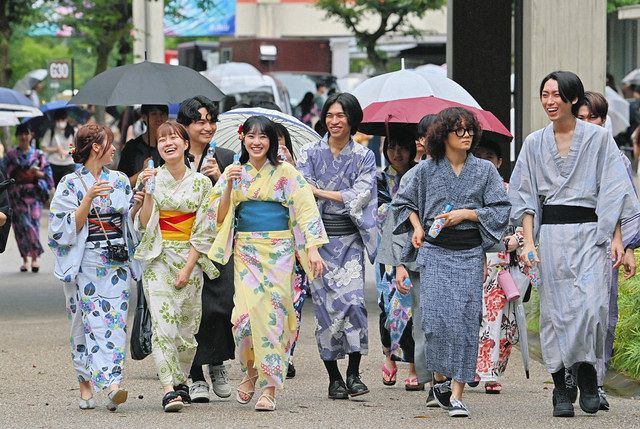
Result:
242,83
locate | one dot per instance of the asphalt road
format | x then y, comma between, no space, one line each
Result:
39,388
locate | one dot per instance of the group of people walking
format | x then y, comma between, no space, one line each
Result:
226,246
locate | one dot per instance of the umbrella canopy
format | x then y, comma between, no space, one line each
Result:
406,84
633,78
145,83
13,101
30,80
618,111
227,132
39,125
8,119
411,110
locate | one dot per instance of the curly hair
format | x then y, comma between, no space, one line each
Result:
447,121
86,137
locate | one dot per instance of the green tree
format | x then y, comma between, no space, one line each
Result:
393,17
613,5
13,14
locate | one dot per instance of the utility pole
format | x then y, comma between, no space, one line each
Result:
148,25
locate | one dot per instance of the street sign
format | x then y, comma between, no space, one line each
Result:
59,70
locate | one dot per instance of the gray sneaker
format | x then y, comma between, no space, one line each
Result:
220,381
458,409
199,392
442,394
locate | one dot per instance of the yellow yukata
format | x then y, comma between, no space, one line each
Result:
272,216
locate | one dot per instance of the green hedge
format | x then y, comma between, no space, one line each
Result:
626,357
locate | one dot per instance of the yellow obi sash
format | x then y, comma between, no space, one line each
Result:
176,225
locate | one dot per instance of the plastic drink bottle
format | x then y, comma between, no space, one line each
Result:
151,182
281,155
534,273
211,151
236,161
438,224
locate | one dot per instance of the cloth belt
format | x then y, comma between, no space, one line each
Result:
456,239
558,214
175,225
338,225
261,216
111,225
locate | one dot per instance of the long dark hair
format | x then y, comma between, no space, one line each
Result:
403,138
350,106
447,121
261,125
282,131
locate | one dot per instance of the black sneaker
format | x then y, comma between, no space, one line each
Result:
570,383
183,391
355,386
442,394
587,379
338,390
431,400
291,370
562,406
604,403
458,409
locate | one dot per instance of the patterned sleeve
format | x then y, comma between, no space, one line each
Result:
493,217
202,235
306,215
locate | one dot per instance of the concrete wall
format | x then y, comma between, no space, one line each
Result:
561,35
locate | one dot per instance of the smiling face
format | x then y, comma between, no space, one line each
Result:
201,131
104,151
256,143
24,139
398,156
172,147
337,122
552,102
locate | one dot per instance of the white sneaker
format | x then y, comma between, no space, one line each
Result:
199,392
458,409
220,381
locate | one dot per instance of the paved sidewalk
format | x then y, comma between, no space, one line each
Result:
39,388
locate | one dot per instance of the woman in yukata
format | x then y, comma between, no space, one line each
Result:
90,213
265,214
593,108
569,191
32,173
498,330
452,263
395,321
176,237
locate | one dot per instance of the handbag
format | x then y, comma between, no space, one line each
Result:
115,252
140,343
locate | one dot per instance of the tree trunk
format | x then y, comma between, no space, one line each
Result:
103,49
5,61
378,62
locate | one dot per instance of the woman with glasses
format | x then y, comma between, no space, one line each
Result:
464,195
569,191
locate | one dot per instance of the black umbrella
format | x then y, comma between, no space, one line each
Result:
145,83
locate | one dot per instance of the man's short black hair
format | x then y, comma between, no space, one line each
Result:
350,106
569,86
188,112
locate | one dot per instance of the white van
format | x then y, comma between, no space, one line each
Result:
242,83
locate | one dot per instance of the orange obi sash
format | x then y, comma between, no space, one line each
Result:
176,225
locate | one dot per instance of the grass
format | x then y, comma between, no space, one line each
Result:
626,357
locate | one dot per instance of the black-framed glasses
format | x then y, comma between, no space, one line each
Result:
460,131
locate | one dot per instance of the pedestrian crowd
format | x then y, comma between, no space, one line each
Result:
226,247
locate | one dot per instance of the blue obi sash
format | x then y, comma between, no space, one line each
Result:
261,216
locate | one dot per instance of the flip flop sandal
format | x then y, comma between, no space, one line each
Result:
172,402
248,393
492,388
411,384
390,375
271,403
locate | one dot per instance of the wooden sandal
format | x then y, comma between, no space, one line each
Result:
248,393
271,403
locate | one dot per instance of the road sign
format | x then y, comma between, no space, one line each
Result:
59,70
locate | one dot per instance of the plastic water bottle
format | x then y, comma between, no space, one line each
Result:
438,224
534,273
236,161
151,182
281,155
211,151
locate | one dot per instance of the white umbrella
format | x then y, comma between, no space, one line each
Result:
633,78
411,84
29,80
20,110
227,133
618,111
234,78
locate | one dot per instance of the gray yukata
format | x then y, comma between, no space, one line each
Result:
338,295
451,280
575,264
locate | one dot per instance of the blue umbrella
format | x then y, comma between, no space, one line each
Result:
13,101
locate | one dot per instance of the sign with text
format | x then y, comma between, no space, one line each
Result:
59,70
